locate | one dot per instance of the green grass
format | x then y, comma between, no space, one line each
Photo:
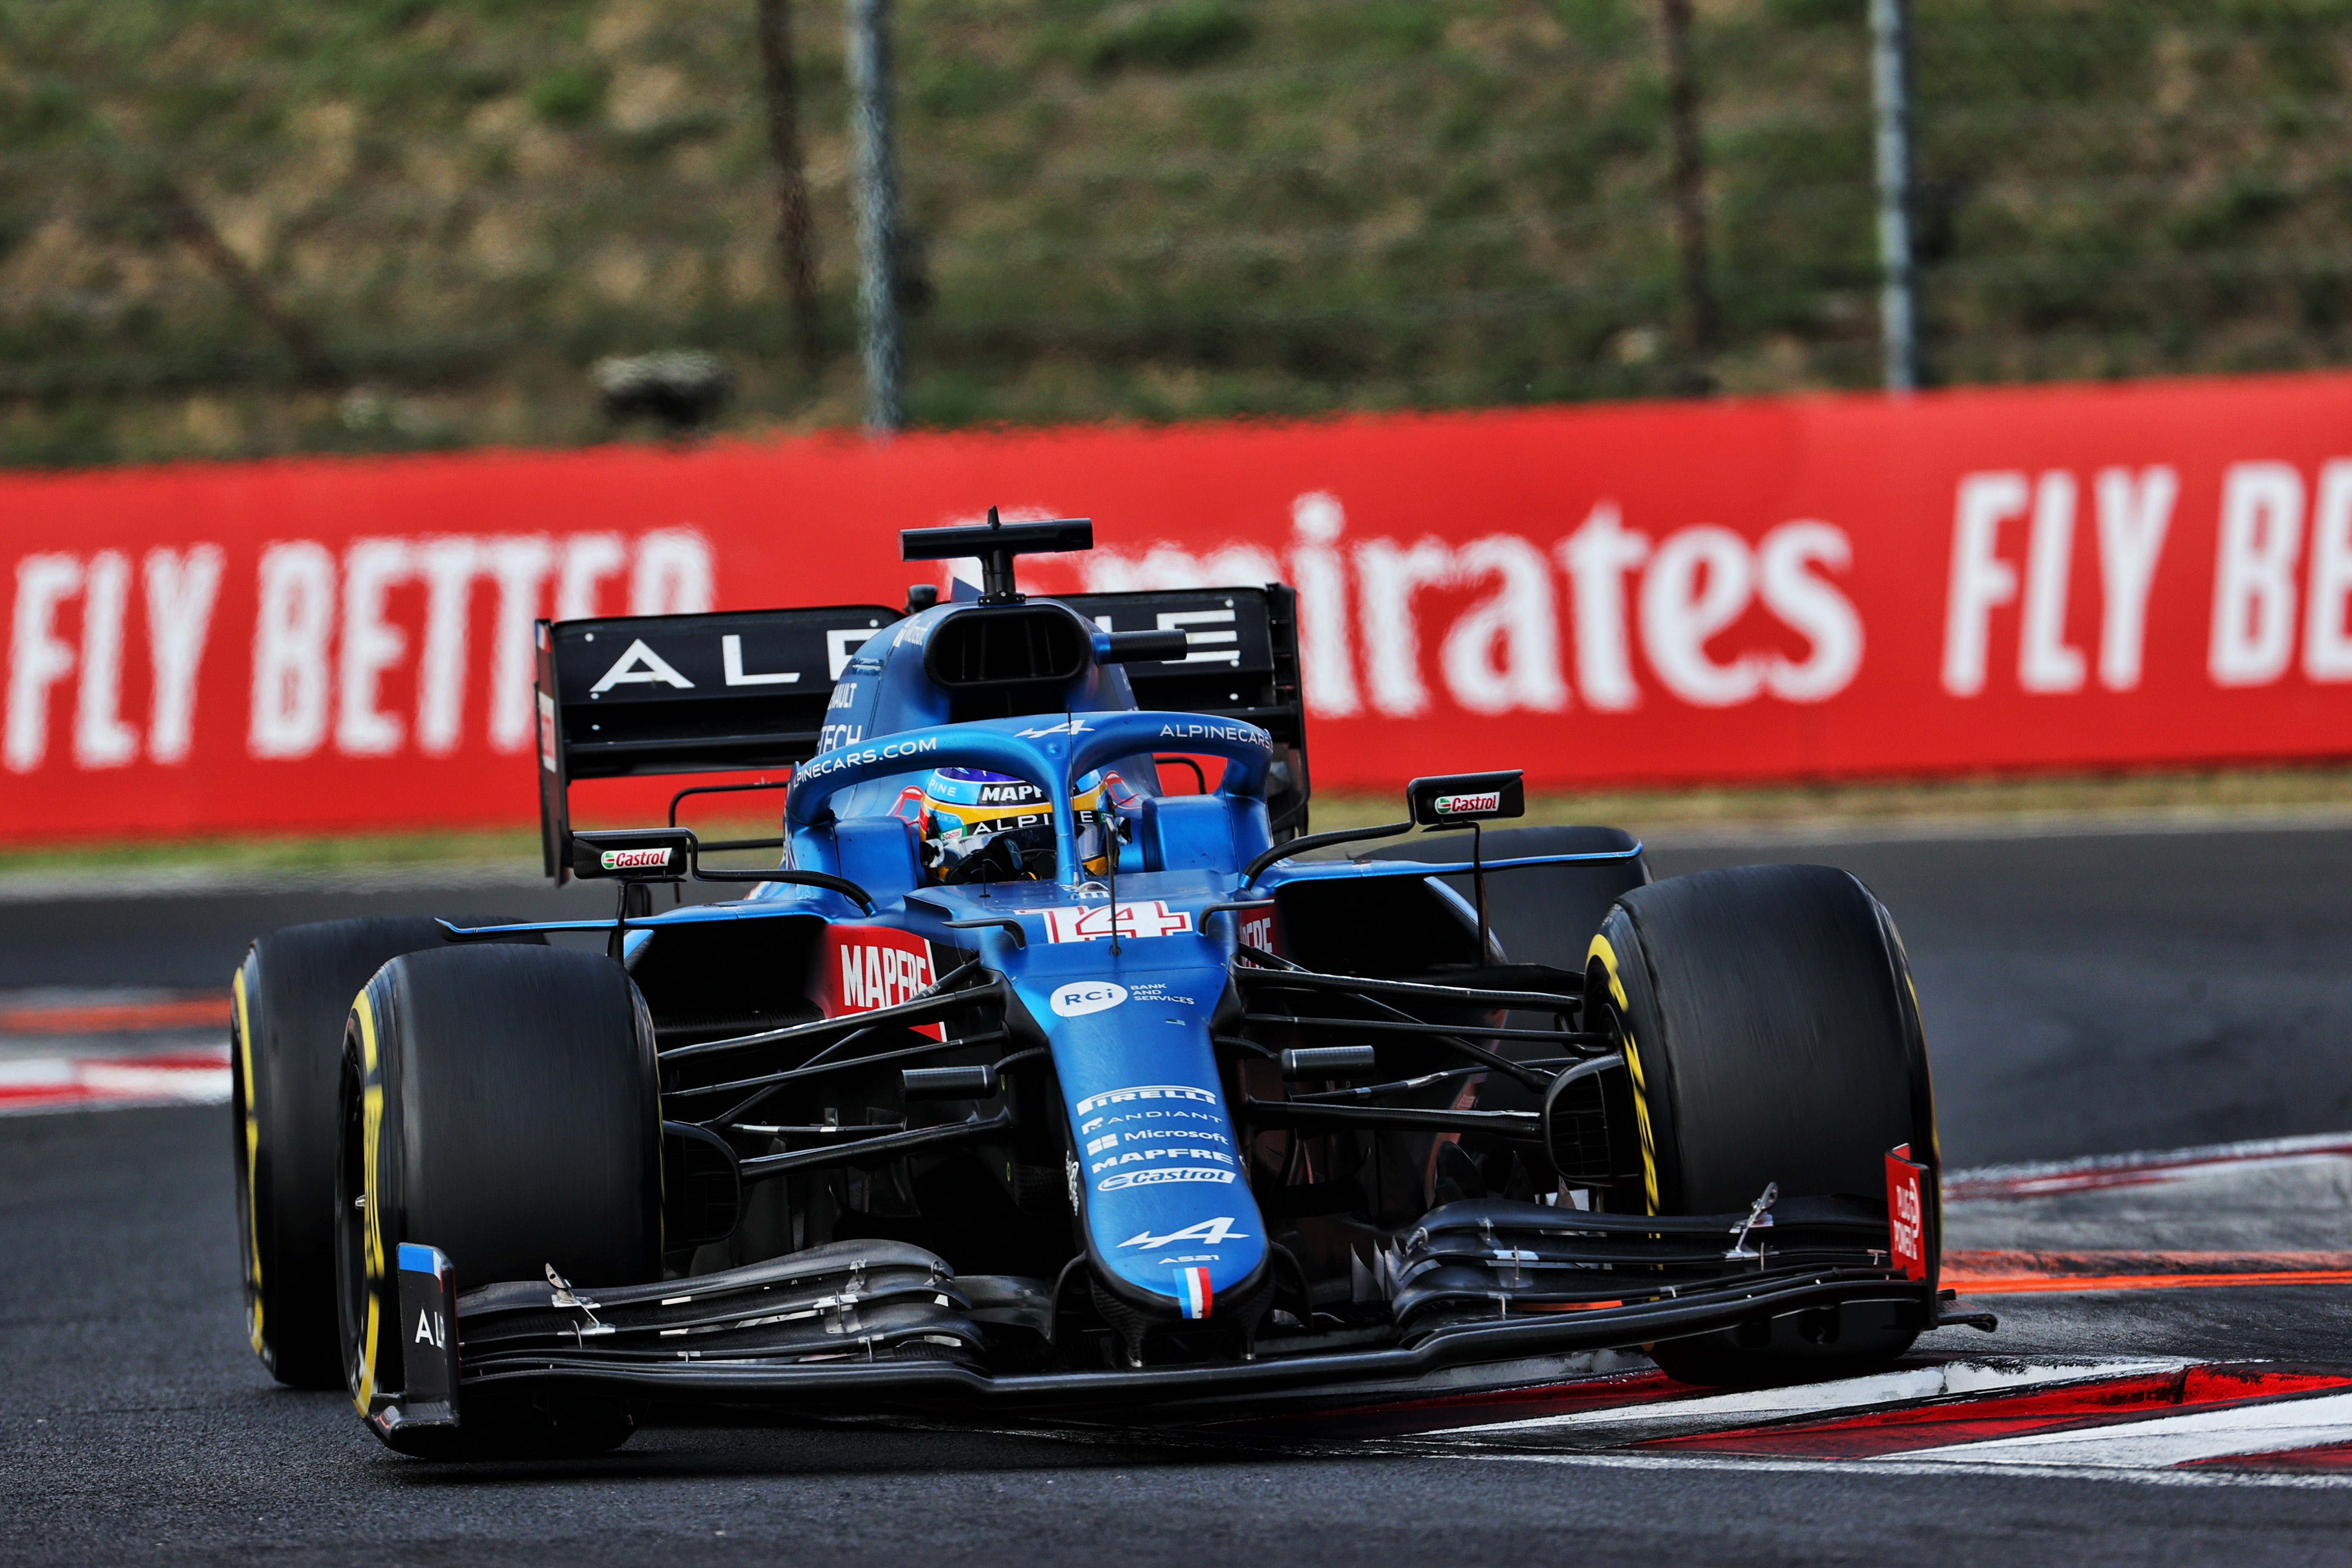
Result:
1149,209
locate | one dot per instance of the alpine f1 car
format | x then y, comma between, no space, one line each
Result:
1057,1065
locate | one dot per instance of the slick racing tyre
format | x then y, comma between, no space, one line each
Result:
1538,914
1770,1034
501,1104
289,999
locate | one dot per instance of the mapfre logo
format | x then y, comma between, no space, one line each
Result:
1455,805
1081,998
876,966
634,859
874,975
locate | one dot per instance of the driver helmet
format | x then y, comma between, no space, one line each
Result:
980,827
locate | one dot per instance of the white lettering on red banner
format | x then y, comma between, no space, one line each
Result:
2022,578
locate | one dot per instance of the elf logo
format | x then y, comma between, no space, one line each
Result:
1453,804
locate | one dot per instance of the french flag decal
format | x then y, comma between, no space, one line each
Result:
1193,1290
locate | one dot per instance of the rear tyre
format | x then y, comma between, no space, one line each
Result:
1770,1034
291,998
501,1104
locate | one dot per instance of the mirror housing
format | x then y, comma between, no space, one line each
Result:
1449,798
635,854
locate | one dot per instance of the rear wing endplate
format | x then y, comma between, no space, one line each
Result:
637,696
1240,661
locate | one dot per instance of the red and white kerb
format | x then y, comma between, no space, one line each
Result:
1193,1291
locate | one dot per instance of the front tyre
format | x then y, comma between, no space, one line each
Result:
1770,1034
289,999
501,1104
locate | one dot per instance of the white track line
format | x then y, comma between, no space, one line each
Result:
1876,1391
2307,1422
1908,1466
2149,820
2033,1179
46,1085
116,883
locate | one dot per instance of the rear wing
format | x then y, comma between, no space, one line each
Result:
643,696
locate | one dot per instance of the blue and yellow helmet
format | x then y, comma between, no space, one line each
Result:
980,827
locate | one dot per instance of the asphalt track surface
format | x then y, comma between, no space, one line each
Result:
2085,993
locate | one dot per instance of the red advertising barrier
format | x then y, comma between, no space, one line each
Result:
1814,587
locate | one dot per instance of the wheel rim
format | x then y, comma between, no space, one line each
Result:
350,1230
245,1127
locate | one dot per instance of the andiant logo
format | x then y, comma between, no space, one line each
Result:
1141,1093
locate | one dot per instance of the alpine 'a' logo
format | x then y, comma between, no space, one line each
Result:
641,666
1208,1233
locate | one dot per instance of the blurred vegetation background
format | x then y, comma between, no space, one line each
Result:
234,227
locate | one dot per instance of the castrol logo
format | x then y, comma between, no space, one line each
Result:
1455,805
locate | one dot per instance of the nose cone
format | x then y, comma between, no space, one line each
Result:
1171,1226
1170,1222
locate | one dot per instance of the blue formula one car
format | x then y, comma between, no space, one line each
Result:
1031,1079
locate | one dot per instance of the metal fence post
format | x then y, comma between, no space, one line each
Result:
1688,176
1890,78
878,212
796,245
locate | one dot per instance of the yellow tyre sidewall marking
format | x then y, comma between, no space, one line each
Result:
1607,954
253,1301
372,1116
